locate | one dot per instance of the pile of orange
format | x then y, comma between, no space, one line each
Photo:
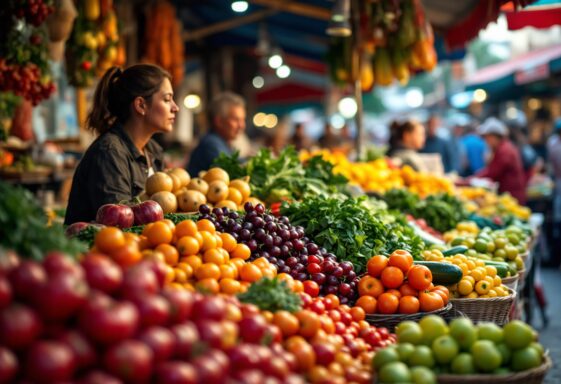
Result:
197,256
395,285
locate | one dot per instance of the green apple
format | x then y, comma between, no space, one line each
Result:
463,364
486,356
409,332
444,349
395,372
432,326
405,350
518,334
490,331
422,375
505,351
385,356
538,347
422,355
464,332
525,358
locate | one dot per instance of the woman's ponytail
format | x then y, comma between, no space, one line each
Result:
100,118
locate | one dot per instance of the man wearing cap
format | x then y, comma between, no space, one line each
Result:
505,166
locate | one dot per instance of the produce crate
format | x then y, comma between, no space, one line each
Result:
495,310
390,321
531,376
511,282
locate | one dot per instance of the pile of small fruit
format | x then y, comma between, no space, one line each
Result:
489,204
395,285
176,191
478,279
463,229
500,245
432,347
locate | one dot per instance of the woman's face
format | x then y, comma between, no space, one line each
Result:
162,109
415,139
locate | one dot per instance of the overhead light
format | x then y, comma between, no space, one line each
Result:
239,6
534,103
339,28
259,119
337,121
258,82
347,107
271,121
414,98
275,61
511,112
339,22
283,71
341,10
479,95
192,101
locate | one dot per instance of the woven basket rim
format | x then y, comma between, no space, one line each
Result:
506,378
487,299
510,279
404,316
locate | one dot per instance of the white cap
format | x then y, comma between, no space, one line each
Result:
493,126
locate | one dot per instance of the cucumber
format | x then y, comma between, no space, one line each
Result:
502,268
455,250
442,273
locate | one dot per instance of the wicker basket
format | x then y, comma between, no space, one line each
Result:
495,309
511,282
390,321
531,376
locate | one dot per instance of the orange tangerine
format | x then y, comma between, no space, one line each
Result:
194,261
251,273
229,286
186,268
235,195
261,262
242,251
209,241
109,239
188,245
214,256
228,242
218,240
206,225
171,256
158,233
228,271
208,285
186,228
180,276
239,263
207,270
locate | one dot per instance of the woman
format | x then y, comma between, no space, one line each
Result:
129,107
406,139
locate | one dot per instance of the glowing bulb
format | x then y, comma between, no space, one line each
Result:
414,98
271,120
337,121
258,82
239,6
275,61
192,101
283,71
347,107
259,119
479,95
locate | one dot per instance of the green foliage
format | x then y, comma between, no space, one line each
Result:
271,295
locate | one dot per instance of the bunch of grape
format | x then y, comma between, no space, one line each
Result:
287,247
34,11
24,80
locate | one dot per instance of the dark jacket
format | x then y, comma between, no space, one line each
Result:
435,144
112,170
209,148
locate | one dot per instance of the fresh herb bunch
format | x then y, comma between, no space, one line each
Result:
23,226
401,200
271,295
351,228
284,177
176,218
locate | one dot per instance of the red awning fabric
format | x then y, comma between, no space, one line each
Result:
290,93
484,13
521,64
534,17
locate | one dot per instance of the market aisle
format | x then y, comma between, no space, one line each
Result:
550,337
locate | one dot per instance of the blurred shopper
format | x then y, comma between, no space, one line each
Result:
437,144
227,119
299,138
459,157
475,149
129,107
531,162
406,138
329,139
505,166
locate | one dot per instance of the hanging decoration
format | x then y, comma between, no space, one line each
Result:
94,43
396,39
24,65
164,44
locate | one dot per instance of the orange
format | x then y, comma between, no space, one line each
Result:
206,225
392,277
287,323
127,255
131,237
171,256
208,285
298,286
207,270
401,259
158,233
213,256
242,251
420,277
180,276
242,186
228,242
395,292
358,313
186,268
239,263
430,301
269,272
143,242
407,290
261,262
369,285
289,280
149,254
187,246
109,239
186,228
387,303
194,261
235,195
209,241
368,303
170,274
409,304
376,265
199,238
230,286
170,224
218,240
251,273
228,270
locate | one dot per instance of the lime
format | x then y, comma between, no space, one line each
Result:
457,241
422,355
513,239
505,351
480,245
395,372
490,331
518,334
538,347
500,242
385,356
525,358
500,253
490,247
463,364
422,375
409,332
511,252
405,350
486,356
445,349
465,333
432,326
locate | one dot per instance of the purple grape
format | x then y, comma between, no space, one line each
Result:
274,260
294,273
236,228
344,300
305,239
265,254
258,222
252,244
248,207
204,209
275,251
312,248
271,227
291,261
319,278
330,255
260,235
284,269
328,267
217,212
294,234
277,240
300,230
285,220
234,215
299,267
345,289
206,216
332,280
260,209
268,240
331,289
298,244
332,258
225,211
347,267
303,259
269,218
278,262
303,251
323,251
245,234
353,285
302,276
285,251
351,276
338,272
247,226
285,234
236,236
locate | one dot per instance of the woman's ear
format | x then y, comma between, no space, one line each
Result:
140,105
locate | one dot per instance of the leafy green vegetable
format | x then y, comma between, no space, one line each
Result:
231,164
353,229
179,217
271,295
23,226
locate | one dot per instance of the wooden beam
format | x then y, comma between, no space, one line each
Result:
297,8
222,26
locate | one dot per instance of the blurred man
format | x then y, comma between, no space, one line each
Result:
475,150
439,145
227,119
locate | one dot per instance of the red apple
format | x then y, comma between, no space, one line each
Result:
153,310
50,361
146,212
56,262
27,279
108,323
253,329
5,292
160,340
208,370
83,350
186,339
250,376
209,308
102,273
181,304
130,360
99,377
175,372
19,326
8,365
115,215
62,296
242,357
210,333
139,281
325,353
